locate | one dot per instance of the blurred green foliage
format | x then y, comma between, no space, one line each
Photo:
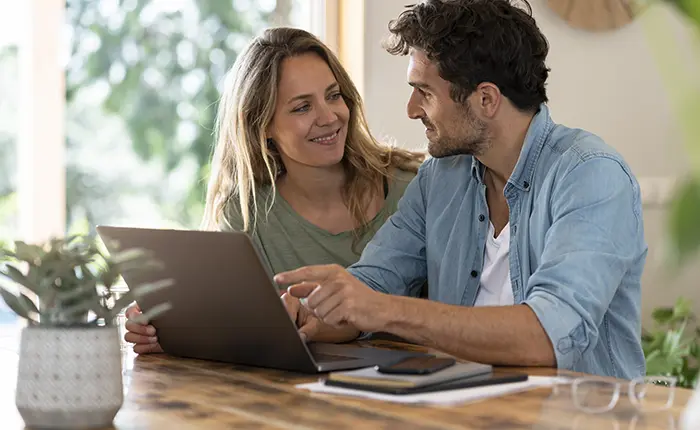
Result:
158,70
158,66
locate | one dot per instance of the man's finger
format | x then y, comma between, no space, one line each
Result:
327,306
302,290
306,274
146,330
308,331
337,317
291,304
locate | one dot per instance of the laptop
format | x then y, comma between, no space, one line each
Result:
225,305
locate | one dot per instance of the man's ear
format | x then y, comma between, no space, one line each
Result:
489,98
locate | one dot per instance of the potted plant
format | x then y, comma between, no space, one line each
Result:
70,373
673,347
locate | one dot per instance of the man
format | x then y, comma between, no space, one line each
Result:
529,233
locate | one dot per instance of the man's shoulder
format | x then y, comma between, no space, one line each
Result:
576,144
569,148
455,167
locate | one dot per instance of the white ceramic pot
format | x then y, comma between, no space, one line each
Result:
69,377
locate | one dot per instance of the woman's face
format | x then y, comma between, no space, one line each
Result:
309,126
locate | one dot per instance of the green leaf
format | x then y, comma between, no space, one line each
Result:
141,291
138,266
658,364
21,305
662,315
29,253
78,312
85,288
683,309
691,8
152,313
15,275
654,342
129,255
672,343
109,277
684,227
694,350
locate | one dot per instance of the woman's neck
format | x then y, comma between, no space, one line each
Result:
316,194
318,186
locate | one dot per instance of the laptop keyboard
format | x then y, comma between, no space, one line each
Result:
326,358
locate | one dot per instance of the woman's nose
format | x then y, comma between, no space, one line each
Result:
326,115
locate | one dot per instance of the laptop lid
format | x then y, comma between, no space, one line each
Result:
225,306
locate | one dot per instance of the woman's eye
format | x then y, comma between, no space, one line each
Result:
302,108
335,96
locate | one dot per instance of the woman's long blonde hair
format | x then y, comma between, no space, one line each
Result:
244,160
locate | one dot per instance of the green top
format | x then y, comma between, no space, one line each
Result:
287,241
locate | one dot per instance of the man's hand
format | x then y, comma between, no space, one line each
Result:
336,298
305,320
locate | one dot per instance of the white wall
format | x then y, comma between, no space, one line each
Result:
606,83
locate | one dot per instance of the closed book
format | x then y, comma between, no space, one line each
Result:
371,377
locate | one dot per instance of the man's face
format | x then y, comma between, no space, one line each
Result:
451,128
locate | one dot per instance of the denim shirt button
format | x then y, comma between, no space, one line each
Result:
482,217
565,345
474,273
514,229
526,184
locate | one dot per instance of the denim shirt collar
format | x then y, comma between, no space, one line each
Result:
536,136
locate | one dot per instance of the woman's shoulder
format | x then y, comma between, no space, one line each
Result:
402,176
233,216
398,182
399,179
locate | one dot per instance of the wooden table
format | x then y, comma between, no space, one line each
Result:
164,392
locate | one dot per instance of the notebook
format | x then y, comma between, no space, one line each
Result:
371,377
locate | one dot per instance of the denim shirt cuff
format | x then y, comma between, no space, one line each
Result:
564,327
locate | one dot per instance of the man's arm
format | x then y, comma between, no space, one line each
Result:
593,241
596,238
336,300
501,335
591,244
394,261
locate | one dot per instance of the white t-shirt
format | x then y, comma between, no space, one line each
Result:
495,288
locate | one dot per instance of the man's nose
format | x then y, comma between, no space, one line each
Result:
413,109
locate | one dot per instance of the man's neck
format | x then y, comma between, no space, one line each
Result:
318,186
507,143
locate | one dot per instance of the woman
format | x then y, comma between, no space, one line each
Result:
295,164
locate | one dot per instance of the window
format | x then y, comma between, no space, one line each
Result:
141,96
9,34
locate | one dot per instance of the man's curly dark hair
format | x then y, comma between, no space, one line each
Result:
475,41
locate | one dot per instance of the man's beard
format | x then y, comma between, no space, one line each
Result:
471,138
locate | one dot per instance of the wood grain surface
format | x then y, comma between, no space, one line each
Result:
164,392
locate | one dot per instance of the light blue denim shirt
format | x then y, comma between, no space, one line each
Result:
577,247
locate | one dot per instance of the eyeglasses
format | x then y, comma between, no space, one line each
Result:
647,393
